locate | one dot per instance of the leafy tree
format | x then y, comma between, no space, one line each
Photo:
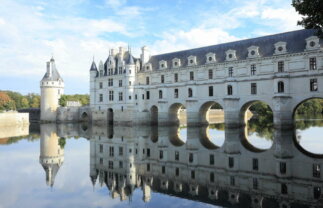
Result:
62,142
35,102
24,103
6,103
312,10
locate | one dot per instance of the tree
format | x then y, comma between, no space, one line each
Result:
312,10
6,103
24,103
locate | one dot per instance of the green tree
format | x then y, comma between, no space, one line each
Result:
6,103
312,10
35,102
24,103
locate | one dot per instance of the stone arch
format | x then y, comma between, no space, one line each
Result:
110,116
243,116
248,145
301,149
173,113
174,137
301,102
154,115
205,111
205,139
84,117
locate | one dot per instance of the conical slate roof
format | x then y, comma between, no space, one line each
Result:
54,76
93,67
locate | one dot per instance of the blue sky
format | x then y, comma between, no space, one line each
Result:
75,30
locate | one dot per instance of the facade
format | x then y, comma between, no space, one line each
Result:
281,70
52,87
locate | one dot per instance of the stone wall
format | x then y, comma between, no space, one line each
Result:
14,118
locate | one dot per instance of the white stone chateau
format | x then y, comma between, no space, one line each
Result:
281,70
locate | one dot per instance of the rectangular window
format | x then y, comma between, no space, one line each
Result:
282,167
190,157
232,181
136,96
280,66
313,65
120,83
110,82
313,85
253,69
120,96
231,162
101,98
284,188
163,170
101,85
212,177
148,152
193,174
175,77
177,171
147,80
143,96
111,151
210,74
101,148
110,165
255,164
211,159
316,170
160,94
255,183
147,95
120,151
110,95
253,88
162,79
230,71
161,154
101,161
191,75
148,167
210,91
177,155
129,83
175,93
120,164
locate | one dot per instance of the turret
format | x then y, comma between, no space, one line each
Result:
93,74
52,87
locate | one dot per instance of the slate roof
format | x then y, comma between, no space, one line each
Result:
127,58
295,43
55,75
93,67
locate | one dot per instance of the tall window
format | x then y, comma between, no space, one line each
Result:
147,95
253,69
101,85
280,66
101,98
162,79
190,157
211,159
120,70
110,95
231,162
120,151
253,88
191,75
210,90
160,94
210,74
193,174
175,77
120,96
313,85
230,71
147,80
313,63
282,167
212,177
281,87
161,154
111,151
255,183
316,170
255,164
120,83
110,82
229,90
190,92
177,155
175,93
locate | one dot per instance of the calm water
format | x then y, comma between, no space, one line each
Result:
93,166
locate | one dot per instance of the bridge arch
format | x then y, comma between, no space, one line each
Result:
85,117
299,103
244,114
206,140
154,115
175,138
175,114
211,112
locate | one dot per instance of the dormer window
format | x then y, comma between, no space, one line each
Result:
176,63
231,55
253,52
312,43
210,58
280,48
191,60
162,64
148,67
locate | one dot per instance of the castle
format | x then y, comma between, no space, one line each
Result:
281,70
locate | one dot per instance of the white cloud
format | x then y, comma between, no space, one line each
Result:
282,18
197,37
2,21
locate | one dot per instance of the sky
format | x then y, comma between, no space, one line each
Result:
75,31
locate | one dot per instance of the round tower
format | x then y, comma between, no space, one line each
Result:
51,151
52,87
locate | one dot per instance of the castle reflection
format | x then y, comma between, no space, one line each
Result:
152,159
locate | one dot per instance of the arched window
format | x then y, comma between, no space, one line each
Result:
281,87
190,92
160,94
229,89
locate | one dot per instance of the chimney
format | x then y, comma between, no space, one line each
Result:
49,69
145,54
112,52
121,51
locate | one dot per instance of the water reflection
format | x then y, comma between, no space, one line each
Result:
212,165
